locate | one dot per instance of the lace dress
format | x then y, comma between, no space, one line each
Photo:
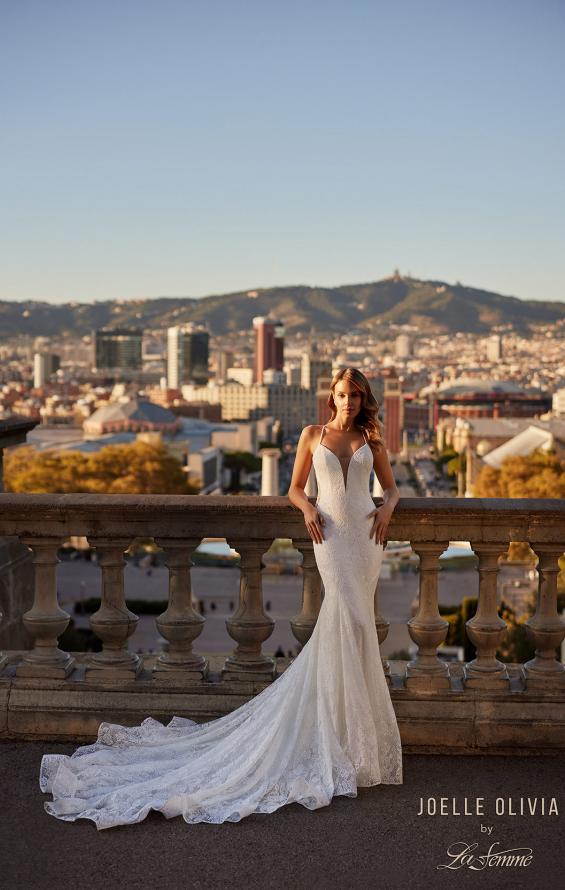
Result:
325,727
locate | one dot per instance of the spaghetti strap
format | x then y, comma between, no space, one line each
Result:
322,433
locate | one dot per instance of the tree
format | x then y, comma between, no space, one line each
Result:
139,468
538,475
236,461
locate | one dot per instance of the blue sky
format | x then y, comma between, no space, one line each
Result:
189,148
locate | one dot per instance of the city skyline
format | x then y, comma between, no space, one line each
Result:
186,150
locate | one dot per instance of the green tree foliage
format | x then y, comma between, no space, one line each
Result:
236,461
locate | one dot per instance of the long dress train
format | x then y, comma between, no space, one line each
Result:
325,727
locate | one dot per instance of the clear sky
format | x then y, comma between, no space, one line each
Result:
191,147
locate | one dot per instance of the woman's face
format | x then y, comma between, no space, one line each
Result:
348,400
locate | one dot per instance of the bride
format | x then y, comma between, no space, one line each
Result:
326,726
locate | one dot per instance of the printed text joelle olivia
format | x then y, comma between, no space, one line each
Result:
481,806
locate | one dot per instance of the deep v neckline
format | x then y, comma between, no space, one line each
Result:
344,476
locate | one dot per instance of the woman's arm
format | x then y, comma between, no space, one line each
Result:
296,494
385,476
301,469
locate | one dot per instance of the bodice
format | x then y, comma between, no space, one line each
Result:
336,493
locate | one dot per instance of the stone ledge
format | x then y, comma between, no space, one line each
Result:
457,720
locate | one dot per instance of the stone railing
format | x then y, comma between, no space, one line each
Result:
46,692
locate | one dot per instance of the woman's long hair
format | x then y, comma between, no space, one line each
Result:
367,417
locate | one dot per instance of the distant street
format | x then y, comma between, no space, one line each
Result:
79,580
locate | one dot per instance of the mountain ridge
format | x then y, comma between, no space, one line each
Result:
433,306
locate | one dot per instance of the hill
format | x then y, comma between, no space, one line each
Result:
433,306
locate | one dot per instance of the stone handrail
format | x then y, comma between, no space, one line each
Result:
250,524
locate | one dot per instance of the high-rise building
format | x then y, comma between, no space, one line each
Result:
393,412
403,346
312,369
44,364
269,345
224,360
494,348
118,349
187,355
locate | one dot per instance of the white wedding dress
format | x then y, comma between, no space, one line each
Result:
325,727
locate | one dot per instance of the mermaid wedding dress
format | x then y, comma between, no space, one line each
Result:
325,727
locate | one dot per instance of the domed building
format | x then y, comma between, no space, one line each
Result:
131,415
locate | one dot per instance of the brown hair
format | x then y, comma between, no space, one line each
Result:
367,417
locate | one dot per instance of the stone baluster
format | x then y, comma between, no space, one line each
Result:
3,657
45,621
304,623
250,626
113,623
486,629
546,628
382,627
427,628
179,624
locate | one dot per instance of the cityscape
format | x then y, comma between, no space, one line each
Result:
226,411
232,234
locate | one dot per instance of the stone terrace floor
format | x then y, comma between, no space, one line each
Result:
374,842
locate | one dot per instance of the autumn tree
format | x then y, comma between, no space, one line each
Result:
537,475
138,468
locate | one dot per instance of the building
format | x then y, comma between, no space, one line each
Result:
131,415
403,346
494,348
416,413
44,364
311,369
293,373
187,355
393,412
468,397
269,345
240,375
558,403
224,360
118,349
293,406
488,440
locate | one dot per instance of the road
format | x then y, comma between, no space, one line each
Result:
80,579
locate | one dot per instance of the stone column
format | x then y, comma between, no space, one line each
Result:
304,623
113,623
270,471
250,626
486,629
179,623
427,628
546,628
45,621
3,658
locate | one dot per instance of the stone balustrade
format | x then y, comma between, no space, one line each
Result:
48,693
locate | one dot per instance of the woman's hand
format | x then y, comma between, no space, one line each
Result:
314,522
382,516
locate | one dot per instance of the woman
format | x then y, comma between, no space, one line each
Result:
326,726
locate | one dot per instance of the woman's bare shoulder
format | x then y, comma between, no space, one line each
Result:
310,435
311,430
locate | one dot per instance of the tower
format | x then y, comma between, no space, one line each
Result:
269,345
